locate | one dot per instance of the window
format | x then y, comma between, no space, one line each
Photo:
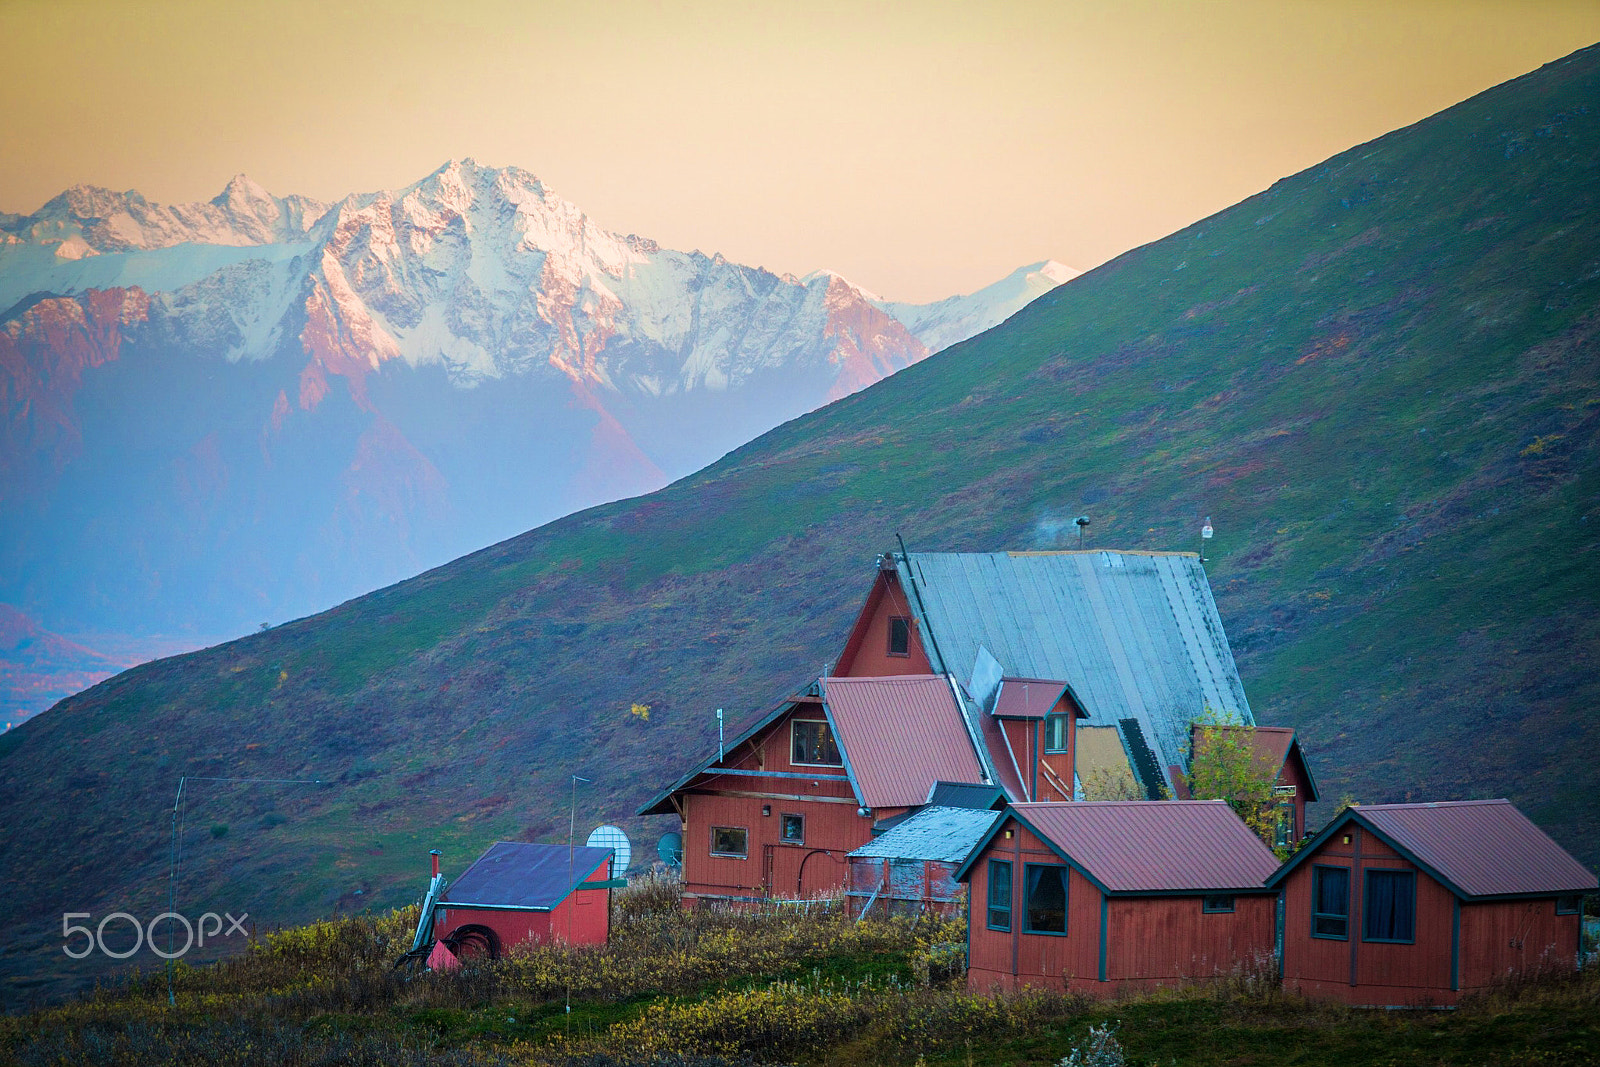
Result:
1390,909
1056,734
1570,905
813,743
999,895
730,841
1046,900
794,829
1330,902
1283,826
899,635
1216,903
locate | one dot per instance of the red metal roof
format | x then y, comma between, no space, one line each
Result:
1027,698
1132,846
1483,847
900,735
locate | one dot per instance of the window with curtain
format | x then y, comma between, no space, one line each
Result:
1330,902
999,895
812,742
1389,912
1045,898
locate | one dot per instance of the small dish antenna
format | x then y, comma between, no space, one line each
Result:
670,848
612,837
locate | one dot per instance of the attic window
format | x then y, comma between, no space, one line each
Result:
899,635
812,744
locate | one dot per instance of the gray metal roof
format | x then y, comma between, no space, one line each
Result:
1135,634
945,835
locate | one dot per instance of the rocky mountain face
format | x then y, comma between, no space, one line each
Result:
220,414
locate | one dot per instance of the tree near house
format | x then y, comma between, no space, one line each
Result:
1225,766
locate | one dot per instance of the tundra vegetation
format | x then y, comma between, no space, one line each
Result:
724,988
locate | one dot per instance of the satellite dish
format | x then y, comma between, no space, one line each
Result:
670,848
612,837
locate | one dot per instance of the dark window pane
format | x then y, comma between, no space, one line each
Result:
1568,905
1046,899
794,827
899,636
814,743
1389,913
1330,901
729,840
999,895
1219,902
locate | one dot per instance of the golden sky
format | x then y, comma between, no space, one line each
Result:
919,149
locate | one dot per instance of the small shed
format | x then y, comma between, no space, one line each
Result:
1400,905
518,892
1098,897
911,868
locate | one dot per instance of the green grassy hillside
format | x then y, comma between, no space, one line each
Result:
1381,378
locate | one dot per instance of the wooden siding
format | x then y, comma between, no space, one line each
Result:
1368,972
866,650
1170,939
1149,941
1508,937
771,866
1293,773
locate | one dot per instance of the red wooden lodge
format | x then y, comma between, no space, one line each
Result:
969,668
519,893
1102,897
1416,904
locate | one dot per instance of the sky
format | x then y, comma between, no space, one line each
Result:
919,149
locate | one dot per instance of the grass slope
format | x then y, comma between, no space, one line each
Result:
1381,377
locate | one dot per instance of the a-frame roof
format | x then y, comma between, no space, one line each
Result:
1135,634
519,876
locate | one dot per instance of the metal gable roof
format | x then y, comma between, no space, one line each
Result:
1135,634
944,835
1027,698
1154,846
899,735
516,874
1477,848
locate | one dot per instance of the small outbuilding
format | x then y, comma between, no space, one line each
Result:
518,893
911,868
1101,897
1403,905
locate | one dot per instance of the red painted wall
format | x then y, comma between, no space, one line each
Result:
1150,941
1294,774
582,919
1497,938
866,650
772,866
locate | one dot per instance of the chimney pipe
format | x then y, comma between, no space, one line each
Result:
435,854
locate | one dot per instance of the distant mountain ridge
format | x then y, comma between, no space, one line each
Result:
318,399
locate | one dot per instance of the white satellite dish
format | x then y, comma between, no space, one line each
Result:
612,837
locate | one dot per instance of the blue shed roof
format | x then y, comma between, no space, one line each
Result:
945,835
1135,634
516,874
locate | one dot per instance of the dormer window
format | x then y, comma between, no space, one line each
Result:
1056,733
812,744
899,635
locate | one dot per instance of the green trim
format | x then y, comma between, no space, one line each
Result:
611,883
1315,915
989,906
1455,945
1105,908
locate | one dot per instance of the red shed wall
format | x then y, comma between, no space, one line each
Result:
1010,959
584,918
866,650
588,910
1367,972
1502,938
512,928
1160,940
